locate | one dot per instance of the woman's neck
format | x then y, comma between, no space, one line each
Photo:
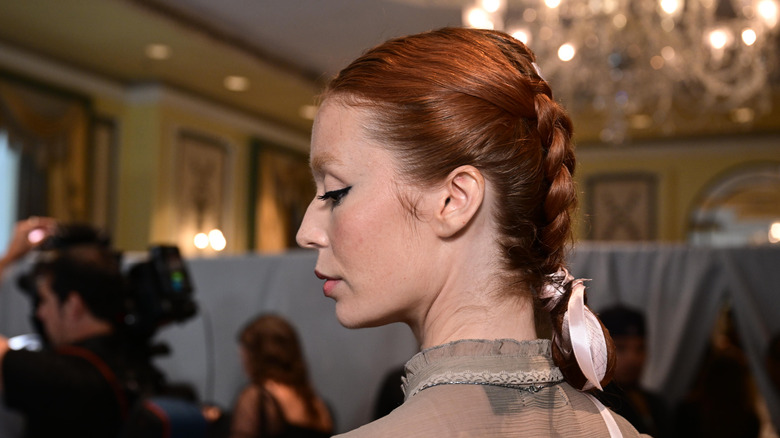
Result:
477,315
474,297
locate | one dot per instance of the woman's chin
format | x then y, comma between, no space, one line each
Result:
352,323
351,320
346,318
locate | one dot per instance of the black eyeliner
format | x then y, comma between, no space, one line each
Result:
334,195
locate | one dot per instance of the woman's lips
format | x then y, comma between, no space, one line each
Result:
330,283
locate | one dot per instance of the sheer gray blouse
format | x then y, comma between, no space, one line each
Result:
490,388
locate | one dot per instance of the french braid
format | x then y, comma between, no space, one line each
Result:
555,131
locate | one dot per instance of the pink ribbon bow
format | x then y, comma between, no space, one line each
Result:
581,328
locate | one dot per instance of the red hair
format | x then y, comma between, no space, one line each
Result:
275,353
458,96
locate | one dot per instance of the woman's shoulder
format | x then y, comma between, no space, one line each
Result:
284,394
440,411
292,407
477,410
252,396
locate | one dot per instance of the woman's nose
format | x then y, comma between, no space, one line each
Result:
310,234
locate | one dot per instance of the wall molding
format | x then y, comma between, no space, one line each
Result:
728,145
56,73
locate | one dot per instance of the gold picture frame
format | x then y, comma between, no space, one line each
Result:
281,189
621,207
200,193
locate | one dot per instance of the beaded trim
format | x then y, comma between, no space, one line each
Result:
533,389
532,381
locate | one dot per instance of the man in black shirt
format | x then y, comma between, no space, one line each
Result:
86,381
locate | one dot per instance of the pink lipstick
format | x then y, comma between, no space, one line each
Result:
330,283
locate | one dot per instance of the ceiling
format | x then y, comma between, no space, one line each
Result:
286,48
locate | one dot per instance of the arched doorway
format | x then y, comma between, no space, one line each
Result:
740,207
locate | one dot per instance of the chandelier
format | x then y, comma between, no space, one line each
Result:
641,64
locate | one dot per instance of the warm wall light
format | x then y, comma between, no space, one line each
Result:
201,241
236,83
217,240
158,52
774,232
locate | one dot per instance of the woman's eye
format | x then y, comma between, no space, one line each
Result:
334,196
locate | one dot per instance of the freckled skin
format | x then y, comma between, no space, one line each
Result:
381,256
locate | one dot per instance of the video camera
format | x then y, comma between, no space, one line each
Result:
156,291
160,291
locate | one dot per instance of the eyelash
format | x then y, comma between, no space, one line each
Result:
335,196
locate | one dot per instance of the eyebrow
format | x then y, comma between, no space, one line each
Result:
320,161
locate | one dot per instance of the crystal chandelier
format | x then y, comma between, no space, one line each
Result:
637,64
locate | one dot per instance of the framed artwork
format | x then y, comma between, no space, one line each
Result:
103,167
281,189
621,207
201,187
51,129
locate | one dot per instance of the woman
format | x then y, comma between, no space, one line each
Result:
444,172
280,402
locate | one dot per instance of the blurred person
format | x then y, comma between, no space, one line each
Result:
443,168
83,383
625,395
280,400
390,394
722,402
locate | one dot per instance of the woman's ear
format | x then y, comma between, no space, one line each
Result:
458,200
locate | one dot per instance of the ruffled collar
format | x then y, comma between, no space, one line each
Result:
500,362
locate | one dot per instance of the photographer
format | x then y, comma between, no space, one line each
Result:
90,374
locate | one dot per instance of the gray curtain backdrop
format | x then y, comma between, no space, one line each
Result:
680,288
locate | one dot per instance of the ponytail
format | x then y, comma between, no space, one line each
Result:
581,346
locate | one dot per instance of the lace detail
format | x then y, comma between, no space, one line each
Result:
532,381
525,365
